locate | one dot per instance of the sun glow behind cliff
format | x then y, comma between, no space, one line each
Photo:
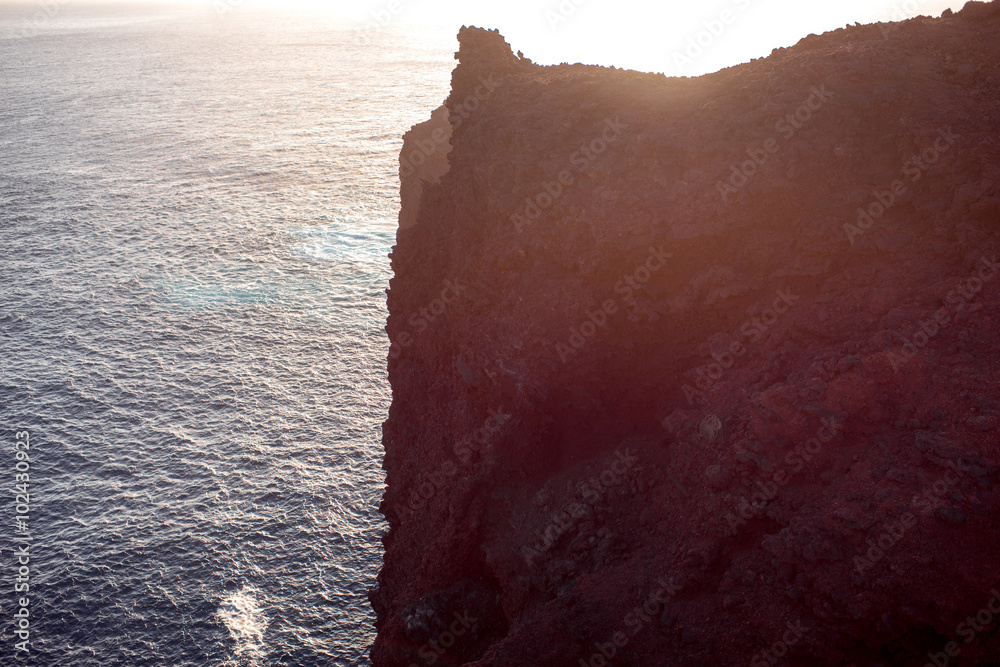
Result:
676,38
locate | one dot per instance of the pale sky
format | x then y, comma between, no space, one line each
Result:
633,34
653,36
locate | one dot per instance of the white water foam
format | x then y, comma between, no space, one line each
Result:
242,616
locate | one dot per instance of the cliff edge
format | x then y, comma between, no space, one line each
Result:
701,371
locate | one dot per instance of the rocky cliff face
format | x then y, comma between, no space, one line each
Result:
702,371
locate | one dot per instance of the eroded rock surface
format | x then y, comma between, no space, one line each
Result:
424,160
703,371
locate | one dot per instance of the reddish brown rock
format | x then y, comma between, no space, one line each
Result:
704,367
424,159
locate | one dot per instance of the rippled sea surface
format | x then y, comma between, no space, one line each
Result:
195,212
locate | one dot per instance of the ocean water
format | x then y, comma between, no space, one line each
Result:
195,213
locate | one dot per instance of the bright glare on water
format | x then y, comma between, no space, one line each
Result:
246,623
195,213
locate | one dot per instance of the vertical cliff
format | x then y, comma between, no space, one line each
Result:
701,371
424,161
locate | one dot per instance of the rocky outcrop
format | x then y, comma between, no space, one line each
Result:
703,371
424,160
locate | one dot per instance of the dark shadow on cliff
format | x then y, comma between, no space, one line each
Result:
701,371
